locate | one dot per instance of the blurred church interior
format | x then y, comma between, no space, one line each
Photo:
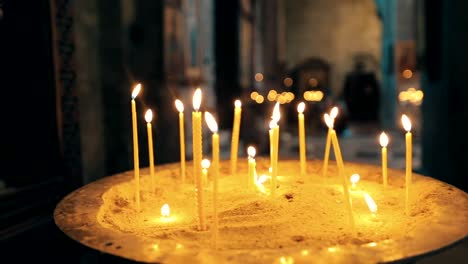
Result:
67,69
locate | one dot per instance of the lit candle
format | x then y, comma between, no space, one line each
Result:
302,144
205,164
251,175
180,107
213,125
339,161
275,131
333,114
354,179
197,154
149,118
235,136
136,160
370,203
409,167
383,144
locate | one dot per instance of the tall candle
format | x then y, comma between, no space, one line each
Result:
251,162
180,107
205,164
341,171
197,155
333,114
275,131
136,160
383,144
235,136
409,167
302,144
213,125
149,118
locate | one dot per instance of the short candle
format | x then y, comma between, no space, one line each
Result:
149,118
383,144
302,142
409,167
180,108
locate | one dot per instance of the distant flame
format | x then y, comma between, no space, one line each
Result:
354,179
370,203
205,163
334,112
301,107
383,139
136,91
165,210
276,113
406,123
328,120
211,122
179,105
197,96
149,116
237,103
251,152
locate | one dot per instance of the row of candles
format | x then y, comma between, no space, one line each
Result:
200,166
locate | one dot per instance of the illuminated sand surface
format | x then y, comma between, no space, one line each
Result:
306,222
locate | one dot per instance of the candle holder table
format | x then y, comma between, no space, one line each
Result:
306,222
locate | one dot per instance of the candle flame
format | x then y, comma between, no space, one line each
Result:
334,112
273,124
149,116
370,203
251,151
276,113
328,121
383,140
211,122
165,210
179,105
205,163
406,123
136,91
197,96
354,179
300,107
237,103
259,182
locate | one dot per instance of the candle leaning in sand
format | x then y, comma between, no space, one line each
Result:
235,136
302,142
213,125
384,144
341,171
409,167
333,114
180,108
136,159
149,128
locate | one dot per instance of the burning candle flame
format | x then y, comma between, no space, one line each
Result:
205,163
383,140
276,113
165,210
406,123
301,107
334,112
237,103
197,96
328,121
251,152
149,116
211,122
259,182
273,124
136,91
370,203
179,105
354,179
